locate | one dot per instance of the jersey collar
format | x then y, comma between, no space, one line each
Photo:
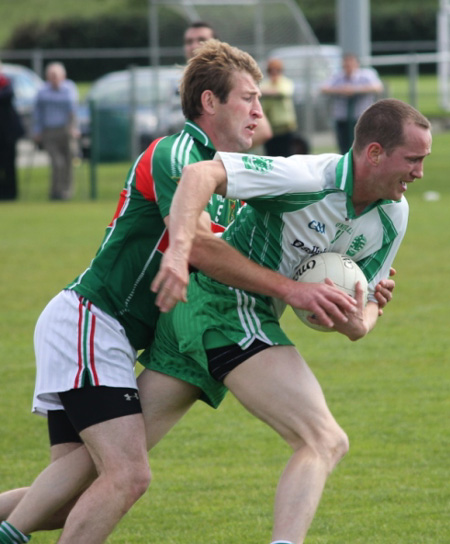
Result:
344,182
196,132
344,173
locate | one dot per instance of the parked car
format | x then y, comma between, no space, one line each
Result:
26,84
310,66
140,103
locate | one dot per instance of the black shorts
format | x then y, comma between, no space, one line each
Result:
221,361
88,406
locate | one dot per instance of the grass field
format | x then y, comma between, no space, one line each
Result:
215,473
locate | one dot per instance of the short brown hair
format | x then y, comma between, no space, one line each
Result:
202,24
275,64
383,122
212,68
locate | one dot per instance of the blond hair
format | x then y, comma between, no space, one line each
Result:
212,68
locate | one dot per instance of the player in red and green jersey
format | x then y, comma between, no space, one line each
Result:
119,276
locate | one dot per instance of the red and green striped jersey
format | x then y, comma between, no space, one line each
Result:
119,276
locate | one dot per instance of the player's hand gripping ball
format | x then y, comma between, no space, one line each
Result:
340,269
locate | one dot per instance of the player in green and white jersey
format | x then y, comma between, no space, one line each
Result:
295,207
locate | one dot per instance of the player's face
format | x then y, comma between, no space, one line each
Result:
194,37
404,164
236,120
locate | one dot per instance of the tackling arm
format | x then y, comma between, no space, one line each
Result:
197,184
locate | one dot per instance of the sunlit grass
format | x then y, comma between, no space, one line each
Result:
215,473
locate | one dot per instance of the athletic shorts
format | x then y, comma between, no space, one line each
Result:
214,316
77,344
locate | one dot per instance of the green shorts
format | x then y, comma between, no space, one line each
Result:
214,316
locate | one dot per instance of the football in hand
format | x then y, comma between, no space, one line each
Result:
340,269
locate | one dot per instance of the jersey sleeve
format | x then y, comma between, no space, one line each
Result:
394,220
253,178
165,177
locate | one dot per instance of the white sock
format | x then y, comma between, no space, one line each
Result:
281,542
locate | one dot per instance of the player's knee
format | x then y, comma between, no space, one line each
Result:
333,447
140,482
133,481
132,477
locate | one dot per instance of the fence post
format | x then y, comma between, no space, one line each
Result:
134,142
94,150
37,60
413,76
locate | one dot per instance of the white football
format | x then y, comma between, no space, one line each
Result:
340,269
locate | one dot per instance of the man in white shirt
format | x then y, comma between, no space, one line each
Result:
353,90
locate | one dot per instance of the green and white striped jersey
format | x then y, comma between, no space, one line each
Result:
301,206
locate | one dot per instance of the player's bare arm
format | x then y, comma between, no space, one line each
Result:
196,187
360,322
222,262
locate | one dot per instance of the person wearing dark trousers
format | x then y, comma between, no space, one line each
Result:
11,130
278,104
54,127
352,90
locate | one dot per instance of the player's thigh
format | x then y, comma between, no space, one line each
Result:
164,401
117,444
68,454
61,450
278,387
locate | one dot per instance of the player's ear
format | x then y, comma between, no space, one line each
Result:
374,152
208,100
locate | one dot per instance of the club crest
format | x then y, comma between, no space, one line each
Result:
258,164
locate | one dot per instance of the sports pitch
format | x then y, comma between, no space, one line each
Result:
214,475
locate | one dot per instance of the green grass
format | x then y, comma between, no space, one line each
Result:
427,93
215,473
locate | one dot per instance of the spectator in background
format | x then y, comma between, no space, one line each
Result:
11,130
353,90
54,126
197,33
278,105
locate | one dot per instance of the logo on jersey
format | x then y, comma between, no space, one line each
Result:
357,245
258,164
341,228
309,250
317,226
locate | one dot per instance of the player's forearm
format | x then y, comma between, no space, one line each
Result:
196,186
358,328
219,260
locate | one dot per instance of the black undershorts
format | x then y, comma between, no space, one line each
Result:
88,406
221,361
